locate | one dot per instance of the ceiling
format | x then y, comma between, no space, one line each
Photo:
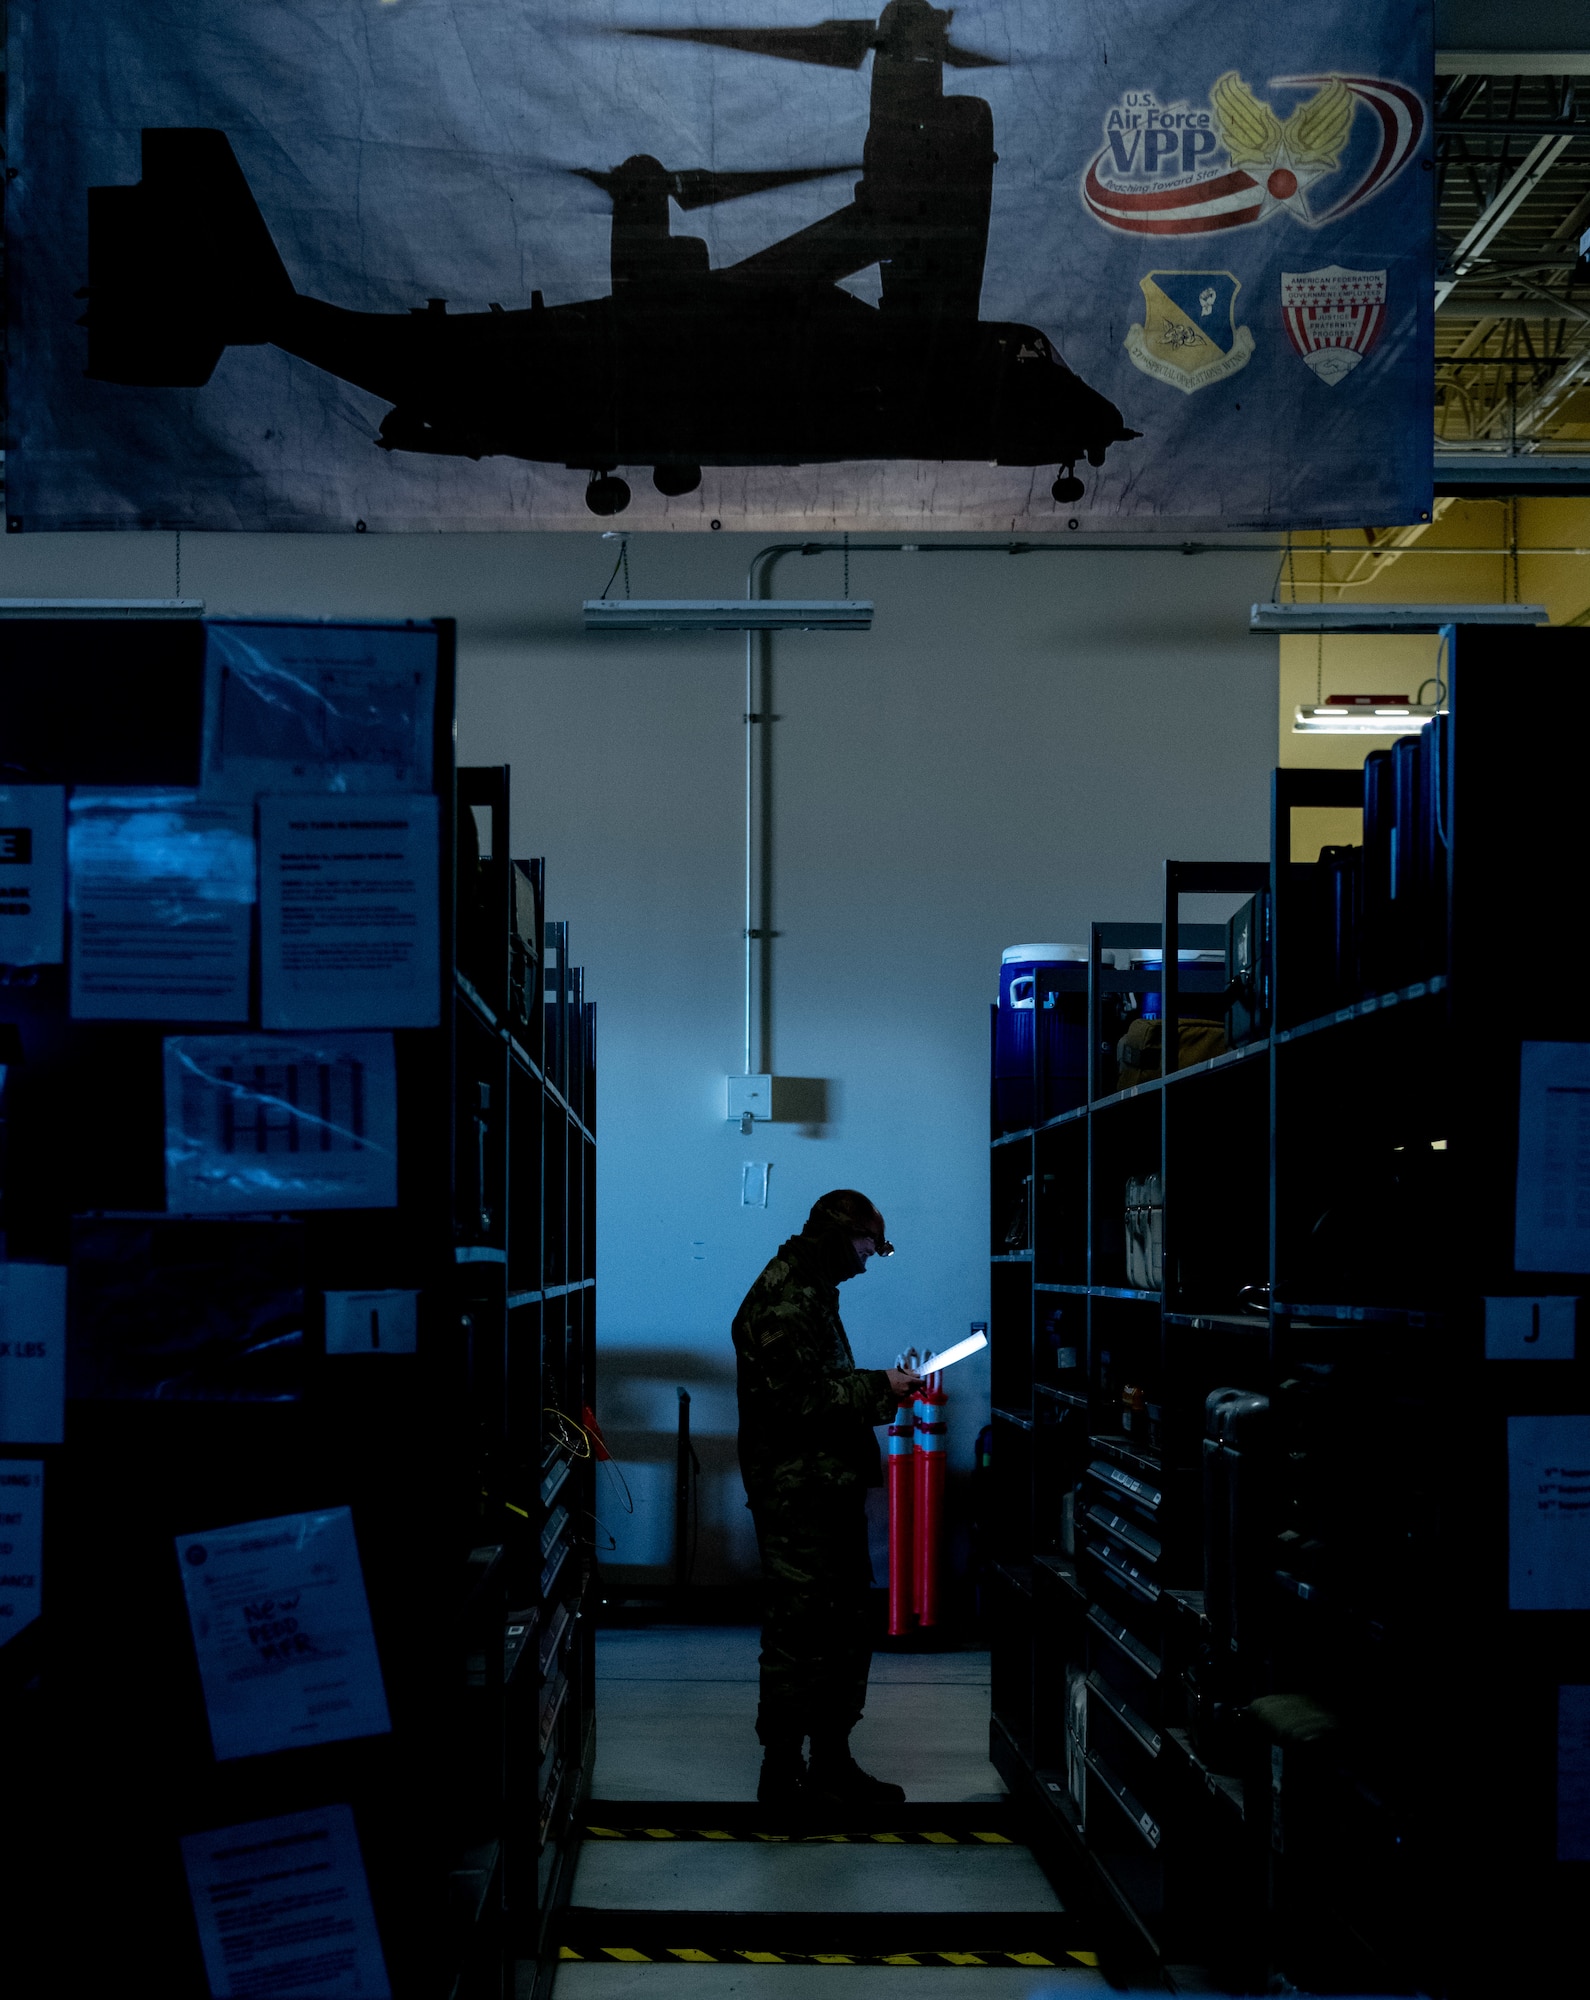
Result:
1512,342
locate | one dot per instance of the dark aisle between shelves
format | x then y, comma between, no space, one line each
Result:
683,1886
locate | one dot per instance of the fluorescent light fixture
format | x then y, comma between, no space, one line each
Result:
727,614
1389,617
1363,715
101,607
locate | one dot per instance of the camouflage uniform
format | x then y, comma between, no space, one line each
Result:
807,1455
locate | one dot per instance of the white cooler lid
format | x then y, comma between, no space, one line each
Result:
1044,954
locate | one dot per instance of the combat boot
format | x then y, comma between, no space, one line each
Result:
836,1779
783,1777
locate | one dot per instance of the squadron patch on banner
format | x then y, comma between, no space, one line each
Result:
1333,317
1189,336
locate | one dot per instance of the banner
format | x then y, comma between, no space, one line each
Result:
416,264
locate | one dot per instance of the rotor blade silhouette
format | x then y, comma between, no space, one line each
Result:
834,44
703,187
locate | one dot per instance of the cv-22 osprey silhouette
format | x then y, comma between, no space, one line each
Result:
766,362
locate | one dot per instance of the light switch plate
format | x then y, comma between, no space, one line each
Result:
753,1094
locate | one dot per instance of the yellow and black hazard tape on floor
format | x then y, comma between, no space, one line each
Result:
908,1825
928,1837
694,1955
1038,1940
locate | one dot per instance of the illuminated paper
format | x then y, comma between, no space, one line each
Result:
283,1907
271,1122
317,708
1548,1513
32,1353
21,1544
350,912
282,1629
32,874
974,1343
1552,1220
162,896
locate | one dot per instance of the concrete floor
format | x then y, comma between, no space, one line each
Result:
675,1713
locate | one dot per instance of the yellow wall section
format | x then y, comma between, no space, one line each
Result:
1474,552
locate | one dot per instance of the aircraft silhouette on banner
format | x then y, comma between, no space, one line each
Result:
766,362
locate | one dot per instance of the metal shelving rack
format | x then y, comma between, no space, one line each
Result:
1404,1832
467,1476
525,1105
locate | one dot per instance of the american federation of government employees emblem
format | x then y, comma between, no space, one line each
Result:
1333,317
1189,336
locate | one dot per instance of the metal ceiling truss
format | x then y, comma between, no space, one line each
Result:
1512,340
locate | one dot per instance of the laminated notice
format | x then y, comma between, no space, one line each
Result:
350,912
1548,1513
32,874
282,1629
162,900
317,708
21,1545
271,1122
283,1908
32,1353
1552,1220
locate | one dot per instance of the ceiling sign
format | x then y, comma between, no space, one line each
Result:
408,264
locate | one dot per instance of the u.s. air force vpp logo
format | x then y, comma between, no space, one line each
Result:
1185,169
1189,336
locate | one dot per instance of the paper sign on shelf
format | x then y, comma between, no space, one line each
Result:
21,1544
317,708
1548,1513
32,874
1552,1221
372,1322
283,1908
350,912
282,1629
272,1122
32,1353
1530,1329
162,896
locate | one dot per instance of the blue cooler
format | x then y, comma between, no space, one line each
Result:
1040,1048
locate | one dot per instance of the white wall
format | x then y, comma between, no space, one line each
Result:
1011,752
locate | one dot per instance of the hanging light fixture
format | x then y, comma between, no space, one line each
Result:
727,614
1389,617
1365,715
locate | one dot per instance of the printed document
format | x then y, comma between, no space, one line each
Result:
282,1629
350,912
263,1123
317,708
32,874
1552,1225
283,1908
162,900
1548,1513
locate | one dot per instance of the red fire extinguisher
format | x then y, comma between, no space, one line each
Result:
902,1547
929,1508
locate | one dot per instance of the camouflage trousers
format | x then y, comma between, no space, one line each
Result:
816,1606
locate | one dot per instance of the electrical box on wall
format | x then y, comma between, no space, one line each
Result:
748,1097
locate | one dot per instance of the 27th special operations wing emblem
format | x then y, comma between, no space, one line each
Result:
1189,336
